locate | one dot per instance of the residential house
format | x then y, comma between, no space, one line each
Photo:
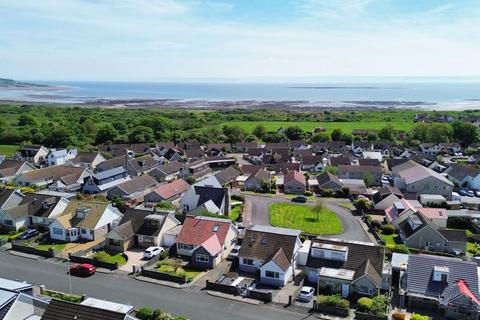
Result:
386,197
115,150
64,177
256,155
399,211
415,178
10,198
88,160
347,267
132,190
161,148
58,157
313,163
206,241
203,198
103,181
9,169
63,310
372,155
361,172
138,149
337,161
449,285
84,220
197,169
33,154
243,147
120,161
436,148
169,192
217,149
356,187
167,172
228,176
294,182
142,228
326,181
173,154
271,253
194,154
464,175
256,180
361,146
141,165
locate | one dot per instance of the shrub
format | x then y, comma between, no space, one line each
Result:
417,316
12,233
390,247
388,229
365,304
156,313
144,313
164,205
164,255
238,197
328,193
379,305
401,248
376,224
308,193
334,301
22,229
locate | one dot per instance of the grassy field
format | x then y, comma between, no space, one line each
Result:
301,217
8,150
347,127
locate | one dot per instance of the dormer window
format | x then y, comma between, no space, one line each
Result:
440,274
216,228
45,205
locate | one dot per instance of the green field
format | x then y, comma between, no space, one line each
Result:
294,216
347,127
8,150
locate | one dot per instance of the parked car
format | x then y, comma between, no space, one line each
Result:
29,233
152,252
306,294
82,270
477,193
470,193
301,199
234,253
462,192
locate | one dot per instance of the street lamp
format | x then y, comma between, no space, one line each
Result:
69,276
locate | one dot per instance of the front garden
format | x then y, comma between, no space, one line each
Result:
174,267
104,256
306,218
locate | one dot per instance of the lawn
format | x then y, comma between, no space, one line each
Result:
302,217
390,239
47,246
347,127
110,258
167,266
8,149
235,212
12,236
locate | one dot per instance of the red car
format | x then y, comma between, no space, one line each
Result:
82,270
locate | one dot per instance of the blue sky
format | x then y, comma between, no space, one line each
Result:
143,40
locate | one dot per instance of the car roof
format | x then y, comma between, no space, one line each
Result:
306,288
152,248
86,265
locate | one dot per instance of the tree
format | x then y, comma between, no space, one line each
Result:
361,204
439,132
234,134
260,131
331,169
295,133
337,134
318,208
141,134
365,304
26,120
273,137
320,137
372,137
367,178
387,133
464,132
106,133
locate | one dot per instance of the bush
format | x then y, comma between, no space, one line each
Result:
401,248
327,193
308,193
376,224
379,305
417,316
365,304
164,255
101,256
144,313
238,197
22,229
388,229
390,247
164,205
334,301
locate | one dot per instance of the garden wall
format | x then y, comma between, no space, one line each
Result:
31,250
224,288
330,310
163,276
96,263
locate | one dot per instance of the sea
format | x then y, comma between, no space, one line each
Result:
427,95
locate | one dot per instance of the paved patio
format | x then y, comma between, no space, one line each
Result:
135,257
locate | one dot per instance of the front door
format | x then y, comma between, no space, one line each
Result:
345,290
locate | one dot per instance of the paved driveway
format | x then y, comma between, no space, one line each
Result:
352,230
135,256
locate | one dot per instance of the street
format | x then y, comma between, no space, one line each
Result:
193,303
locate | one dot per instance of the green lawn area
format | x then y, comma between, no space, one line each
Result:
6,236
110,258
54,246
301,217
8,150
235,212
472,249
167,267
390,238
347,127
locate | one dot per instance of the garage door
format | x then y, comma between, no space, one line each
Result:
312,276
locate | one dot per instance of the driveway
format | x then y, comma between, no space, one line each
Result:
134,256
352,230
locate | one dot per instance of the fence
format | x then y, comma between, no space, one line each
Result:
17,246
265,296
163,276
224,288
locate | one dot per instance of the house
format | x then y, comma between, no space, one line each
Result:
86,220
88,160
337,161
418,232
62,310
373,155
361,172
435,148
449,285
386,197
167,172
217,149
169,192
115,150
58,157
138,148
346,266
300,153
142,228
205,198
464,175
103,181
206,241
256,155
132,190
65,177
294,182
228,176
415,178
313,163
120,161
256,180
141,165
243,147
356,187
173,154
33,154
10,198
271,253
194,154
399,211
329,181
162,147
360,146
9,169
17,301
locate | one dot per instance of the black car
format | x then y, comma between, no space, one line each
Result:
29,234
301,199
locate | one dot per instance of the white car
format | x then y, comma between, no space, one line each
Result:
306,294
152,252
234,253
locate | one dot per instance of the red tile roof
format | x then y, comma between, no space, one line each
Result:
197,230
176,187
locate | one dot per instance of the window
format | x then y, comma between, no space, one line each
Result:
271,274
84,231
58,231
183,246
114,242
8,222
216,228
202,258
248,261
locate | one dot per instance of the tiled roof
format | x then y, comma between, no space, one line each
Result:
227,175
196,230
327,177
171,167
61,310
217,195
212,245
53,172
171,189
137,184
294,176
112,163
142,163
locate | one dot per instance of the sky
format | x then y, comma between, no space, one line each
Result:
155,40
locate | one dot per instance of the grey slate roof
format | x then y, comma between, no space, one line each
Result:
209,193
61,310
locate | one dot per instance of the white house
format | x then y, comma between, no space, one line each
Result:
60,156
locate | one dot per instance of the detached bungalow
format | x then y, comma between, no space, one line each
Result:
167,172
134,189
256,179
167,192
141,165
206,240
34,154
10,198
69,178
103,181
294,182
9,169
360,172
211,199
88,160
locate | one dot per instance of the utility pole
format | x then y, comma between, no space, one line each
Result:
69,276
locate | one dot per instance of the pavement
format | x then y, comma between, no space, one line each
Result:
135,257
352,228
193,303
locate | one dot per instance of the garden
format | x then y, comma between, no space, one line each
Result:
174,267
316,219
104,256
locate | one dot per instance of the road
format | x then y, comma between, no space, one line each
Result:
193,303
352,229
